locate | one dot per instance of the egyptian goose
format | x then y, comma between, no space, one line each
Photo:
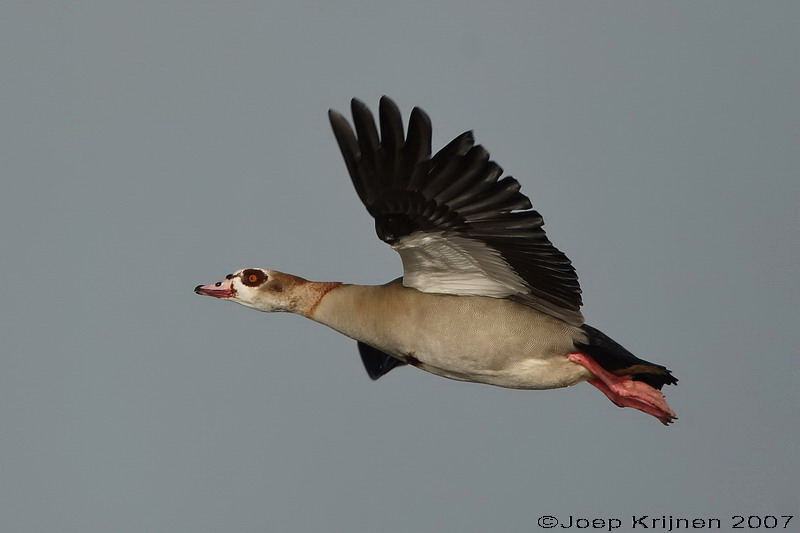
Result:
484,297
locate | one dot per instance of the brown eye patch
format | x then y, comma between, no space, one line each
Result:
253,277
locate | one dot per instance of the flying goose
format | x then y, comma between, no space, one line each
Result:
484,297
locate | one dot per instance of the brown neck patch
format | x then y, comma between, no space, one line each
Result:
319,289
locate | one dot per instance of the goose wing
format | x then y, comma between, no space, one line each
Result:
458,226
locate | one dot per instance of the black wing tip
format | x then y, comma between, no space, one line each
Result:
361,113
355,103
385,100
467,140
418,115
335,117
359,109
338,121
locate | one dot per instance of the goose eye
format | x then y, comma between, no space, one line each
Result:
252,277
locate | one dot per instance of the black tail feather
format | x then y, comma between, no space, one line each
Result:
610,355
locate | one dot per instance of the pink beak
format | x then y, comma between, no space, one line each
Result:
220,289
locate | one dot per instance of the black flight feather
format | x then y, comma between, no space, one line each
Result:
457,190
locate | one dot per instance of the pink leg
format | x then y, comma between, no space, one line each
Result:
624,391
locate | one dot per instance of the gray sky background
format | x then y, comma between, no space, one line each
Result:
147,147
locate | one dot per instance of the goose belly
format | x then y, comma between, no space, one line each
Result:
523,357
468,338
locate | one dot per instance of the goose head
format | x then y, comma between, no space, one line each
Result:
257,288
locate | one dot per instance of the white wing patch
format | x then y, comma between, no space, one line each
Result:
447,263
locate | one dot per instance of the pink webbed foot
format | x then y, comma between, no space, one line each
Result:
626,392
